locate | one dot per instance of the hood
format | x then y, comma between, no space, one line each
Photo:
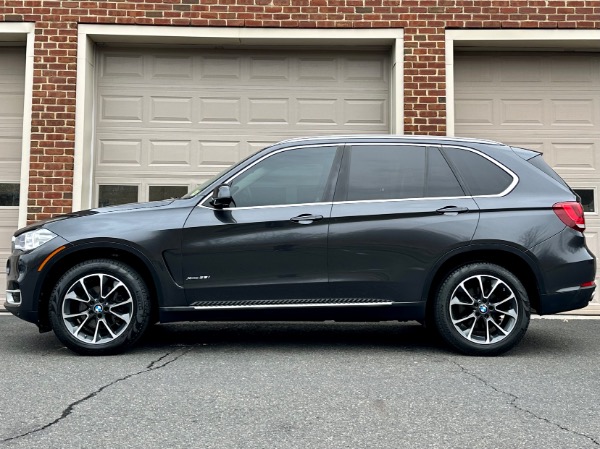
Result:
130,206
98,210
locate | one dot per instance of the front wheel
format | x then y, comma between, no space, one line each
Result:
482,309
100,307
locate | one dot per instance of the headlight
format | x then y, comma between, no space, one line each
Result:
32,239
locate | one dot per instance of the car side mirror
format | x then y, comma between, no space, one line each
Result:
221,197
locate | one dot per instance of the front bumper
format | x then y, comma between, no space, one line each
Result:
24,281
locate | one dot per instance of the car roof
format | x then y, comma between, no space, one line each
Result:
396,138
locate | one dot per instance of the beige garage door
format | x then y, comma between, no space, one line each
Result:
12,86
548,102
169,119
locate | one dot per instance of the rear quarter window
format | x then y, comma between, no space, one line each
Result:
539,163
480,175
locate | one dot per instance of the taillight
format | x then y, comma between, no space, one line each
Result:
571,214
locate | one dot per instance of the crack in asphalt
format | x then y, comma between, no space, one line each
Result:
515,398
152,366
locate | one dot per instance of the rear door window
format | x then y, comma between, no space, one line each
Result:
388,172
480,175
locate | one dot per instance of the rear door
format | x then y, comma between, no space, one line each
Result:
398,209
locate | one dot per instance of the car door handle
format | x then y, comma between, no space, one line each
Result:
452,210
306,218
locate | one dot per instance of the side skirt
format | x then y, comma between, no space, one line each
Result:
296,310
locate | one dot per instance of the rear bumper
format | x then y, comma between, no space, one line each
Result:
565,265
568,299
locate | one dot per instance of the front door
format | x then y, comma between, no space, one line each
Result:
271,243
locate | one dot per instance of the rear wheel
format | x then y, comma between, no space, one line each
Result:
482,309
100,307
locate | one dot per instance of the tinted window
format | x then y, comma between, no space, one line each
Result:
396,172
482,177
541,164
440,181
290,177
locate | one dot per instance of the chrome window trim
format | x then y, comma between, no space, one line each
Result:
510,188
273,206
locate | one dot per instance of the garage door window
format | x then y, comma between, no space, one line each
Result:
587,199
111,195
9,194
157,193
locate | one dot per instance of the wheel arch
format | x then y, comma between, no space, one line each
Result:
514,260
78,254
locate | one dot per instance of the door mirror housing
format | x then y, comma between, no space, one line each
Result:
221,197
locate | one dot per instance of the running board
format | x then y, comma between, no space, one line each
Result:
289,303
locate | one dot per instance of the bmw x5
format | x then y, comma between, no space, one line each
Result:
469,236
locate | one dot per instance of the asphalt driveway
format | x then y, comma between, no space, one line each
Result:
282,385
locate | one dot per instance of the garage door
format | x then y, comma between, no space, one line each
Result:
167,120
12,86
548,102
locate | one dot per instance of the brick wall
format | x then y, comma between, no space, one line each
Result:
424,23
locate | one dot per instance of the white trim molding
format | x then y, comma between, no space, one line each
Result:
23,34
515,40
90,35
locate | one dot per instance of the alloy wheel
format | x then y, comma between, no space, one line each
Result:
97,308
484,309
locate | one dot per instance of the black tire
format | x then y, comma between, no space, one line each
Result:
490,325
100,307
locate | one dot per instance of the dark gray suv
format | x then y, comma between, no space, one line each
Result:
466,235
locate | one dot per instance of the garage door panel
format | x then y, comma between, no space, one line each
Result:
199,111
575,156
126,67
318,70
176,67
171,110
11,113
573,112
121,108
274,69
119,152
523,112
11,151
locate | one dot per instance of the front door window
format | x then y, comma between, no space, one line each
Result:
297,176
